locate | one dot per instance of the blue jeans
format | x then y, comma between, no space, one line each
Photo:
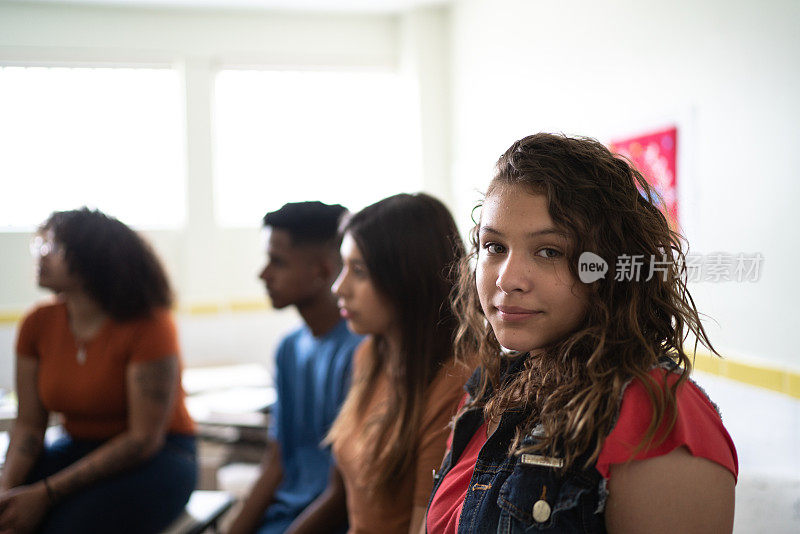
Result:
141,500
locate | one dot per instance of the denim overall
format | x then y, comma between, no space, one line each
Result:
522,493
526,493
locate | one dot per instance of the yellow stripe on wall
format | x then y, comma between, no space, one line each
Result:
252,305
794,385
780,380
206,308
225,307
10,317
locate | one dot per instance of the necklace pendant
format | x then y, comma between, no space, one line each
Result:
81,355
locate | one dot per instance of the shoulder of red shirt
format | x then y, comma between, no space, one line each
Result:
698,426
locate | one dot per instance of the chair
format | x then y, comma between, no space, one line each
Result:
202,512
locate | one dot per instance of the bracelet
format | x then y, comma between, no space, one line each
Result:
51,494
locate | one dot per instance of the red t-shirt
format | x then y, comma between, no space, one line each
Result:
698,428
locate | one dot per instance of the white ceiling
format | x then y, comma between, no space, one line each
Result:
368,6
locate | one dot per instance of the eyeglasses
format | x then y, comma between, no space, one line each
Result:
42,247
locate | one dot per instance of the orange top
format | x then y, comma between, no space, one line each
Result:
92,395
369,513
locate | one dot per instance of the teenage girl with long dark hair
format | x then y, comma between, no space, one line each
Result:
390,434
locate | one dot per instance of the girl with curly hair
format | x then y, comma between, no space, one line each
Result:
104,354
581,416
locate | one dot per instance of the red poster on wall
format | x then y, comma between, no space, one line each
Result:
654,155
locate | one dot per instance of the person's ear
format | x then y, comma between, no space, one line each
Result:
325,270
329,267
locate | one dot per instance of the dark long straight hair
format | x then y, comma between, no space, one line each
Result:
411,247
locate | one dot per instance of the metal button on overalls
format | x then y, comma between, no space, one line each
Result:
541,511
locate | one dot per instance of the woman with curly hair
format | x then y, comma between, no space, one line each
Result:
581,416
104,354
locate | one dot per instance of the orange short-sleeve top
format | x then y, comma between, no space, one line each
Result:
92,394
369,513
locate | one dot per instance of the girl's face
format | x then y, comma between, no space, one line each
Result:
52,270
526,289
367,311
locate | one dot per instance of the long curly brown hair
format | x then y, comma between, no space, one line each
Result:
573,388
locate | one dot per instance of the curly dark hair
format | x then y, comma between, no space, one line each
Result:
116,266
607,207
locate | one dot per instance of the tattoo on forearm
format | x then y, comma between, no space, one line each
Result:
157,379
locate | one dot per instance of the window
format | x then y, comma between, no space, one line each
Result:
283,136
110,138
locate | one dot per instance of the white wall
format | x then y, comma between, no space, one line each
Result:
487,73
728,73
209,264
425,57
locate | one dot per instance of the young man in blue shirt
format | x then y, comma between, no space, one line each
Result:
313,366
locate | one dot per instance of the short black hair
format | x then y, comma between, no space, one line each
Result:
307,223
117,266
